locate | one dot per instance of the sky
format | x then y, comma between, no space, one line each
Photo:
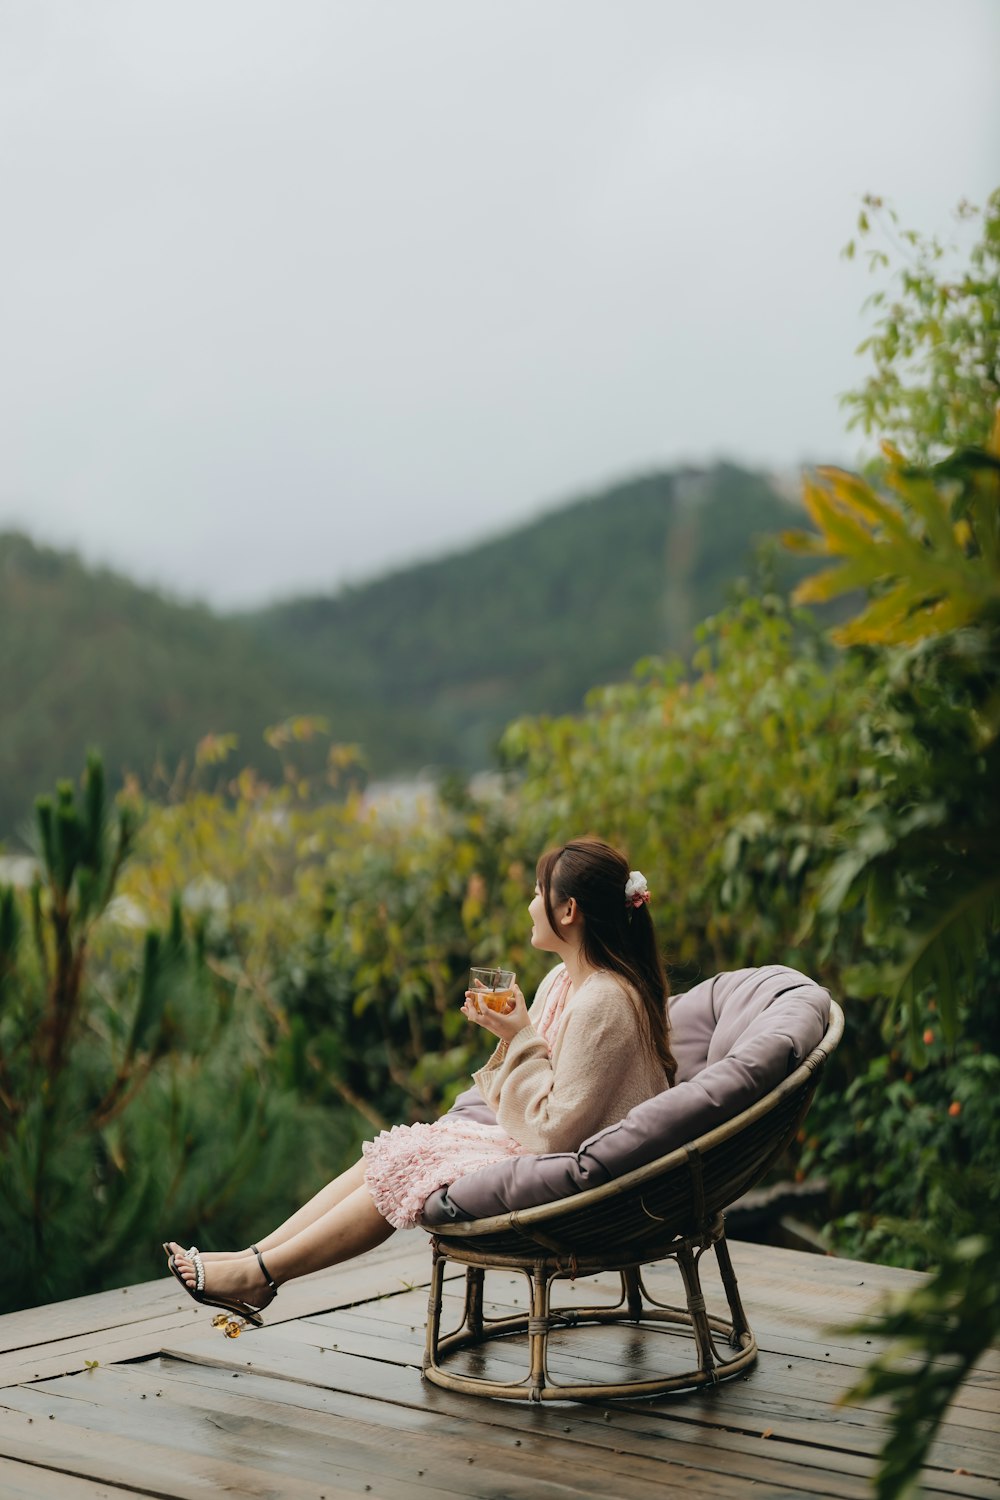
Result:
295,292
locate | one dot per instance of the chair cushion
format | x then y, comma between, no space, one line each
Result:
735,1038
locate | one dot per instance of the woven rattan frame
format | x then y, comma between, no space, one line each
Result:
672,1208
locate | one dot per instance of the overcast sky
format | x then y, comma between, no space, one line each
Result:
297,290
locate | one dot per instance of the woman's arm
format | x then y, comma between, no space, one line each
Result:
553,1107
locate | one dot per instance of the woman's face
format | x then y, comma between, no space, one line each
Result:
542,935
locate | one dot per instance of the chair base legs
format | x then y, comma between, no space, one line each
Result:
723,1346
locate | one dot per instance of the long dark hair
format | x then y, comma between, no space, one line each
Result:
616,935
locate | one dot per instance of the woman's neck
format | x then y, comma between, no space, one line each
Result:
577,966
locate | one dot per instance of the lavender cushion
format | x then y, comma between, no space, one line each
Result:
735,1038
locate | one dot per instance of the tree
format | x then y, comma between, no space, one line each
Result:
923,540
935,347
131,1095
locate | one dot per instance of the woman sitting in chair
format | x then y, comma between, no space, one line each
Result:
594,1044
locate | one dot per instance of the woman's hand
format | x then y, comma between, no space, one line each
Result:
504,1024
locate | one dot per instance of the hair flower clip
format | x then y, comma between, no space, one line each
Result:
636,889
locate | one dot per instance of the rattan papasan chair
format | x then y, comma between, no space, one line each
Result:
750,1047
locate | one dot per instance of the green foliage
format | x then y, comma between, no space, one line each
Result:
920,851
356,923
374,996
81,857
935,348
722,785
934,1346
934,1115
925,838
412,665
132,1088
931,556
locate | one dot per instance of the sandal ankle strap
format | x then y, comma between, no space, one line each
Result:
264,1271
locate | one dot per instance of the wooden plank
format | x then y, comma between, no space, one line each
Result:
774,1262
20,1481
811,1291
381,1275
784,1291
410,1311
804,1396
402,1449
56,1321
982,1401
34,1326
169,1472
164,1473
674,1442
125,1306
736,1460
710,1443
800,1409
129,1341
619,1464
731,1457
825,1372
795,1287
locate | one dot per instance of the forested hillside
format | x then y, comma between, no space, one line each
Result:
425,665
89,658
528,622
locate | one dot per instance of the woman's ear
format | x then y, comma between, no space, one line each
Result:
571,913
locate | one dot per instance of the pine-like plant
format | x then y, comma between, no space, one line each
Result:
133,1095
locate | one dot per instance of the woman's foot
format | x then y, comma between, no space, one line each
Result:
233,1279
209,1255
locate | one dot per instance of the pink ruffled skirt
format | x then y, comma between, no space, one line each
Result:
404,1165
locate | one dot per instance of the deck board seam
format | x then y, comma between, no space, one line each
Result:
52,1468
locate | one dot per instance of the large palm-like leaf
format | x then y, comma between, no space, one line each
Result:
928,553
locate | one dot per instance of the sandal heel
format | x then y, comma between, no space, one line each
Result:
232,1327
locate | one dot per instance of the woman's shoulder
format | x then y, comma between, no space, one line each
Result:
604,988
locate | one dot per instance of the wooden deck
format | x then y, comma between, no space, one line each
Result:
132,1392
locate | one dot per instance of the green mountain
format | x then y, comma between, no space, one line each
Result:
89,658
425,665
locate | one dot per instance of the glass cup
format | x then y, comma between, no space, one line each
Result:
494,987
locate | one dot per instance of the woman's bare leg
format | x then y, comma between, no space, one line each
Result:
349,1228
319,1204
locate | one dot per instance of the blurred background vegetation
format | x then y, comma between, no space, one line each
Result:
426,666
215,984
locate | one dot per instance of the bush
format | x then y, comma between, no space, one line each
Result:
135,1096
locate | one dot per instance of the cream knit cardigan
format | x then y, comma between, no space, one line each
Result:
599,1069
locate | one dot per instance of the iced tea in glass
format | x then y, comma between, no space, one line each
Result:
494,987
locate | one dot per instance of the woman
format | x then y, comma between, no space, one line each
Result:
593,1045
